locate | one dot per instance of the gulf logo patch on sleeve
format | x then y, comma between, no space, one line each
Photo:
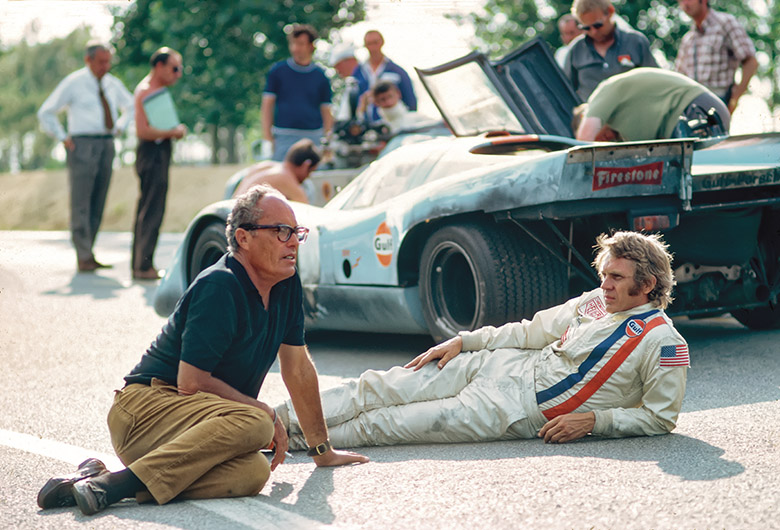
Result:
383,244
675,355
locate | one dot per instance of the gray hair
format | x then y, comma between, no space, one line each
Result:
580,7
93,47
649,253
245,210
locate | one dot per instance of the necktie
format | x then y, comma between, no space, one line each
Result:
106,109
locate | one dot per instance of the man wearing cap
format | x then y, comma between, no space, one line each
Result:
343,60
93,98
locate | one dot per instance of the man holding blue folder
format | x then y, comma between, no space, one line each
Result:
156,123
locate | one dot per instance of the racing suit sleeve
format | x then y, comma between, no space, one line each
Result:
544,328
663,388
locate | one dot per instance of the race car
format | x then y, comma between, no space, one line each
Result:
499,221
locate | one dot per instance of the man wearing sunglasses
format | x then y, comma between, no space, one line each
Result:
188,423
153,156
604,50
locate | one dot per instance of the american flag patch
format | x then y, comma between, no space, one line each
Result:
675,355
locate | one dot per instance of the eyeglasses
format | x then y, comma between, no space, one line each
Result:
283,232
595,25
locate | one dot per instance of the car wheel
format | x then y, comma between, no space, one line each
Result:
209,247
759,318
475,275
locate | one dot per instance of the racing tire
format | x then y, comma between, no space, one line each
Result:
474,275
759,318
209,247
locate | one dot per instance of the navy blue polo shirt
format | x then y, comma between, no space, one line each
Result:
220,326
300,93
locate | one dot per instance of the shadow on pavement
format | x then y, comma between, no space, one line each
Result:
675,454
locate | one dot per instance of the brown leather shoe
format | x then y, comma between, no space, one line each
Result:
148,274
58,491
99,265
89,265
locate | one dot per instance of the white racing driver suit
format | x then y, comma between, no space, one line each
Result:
627,367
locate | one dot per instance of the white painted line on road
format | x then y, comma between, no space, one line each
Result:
245,510
57,450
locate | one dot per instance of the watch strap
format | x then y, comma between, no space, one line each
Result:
319,449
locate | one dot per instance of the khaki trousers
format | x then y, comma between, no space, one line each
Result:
191,447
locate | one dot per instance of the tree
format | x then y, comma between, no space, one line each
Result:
227,49
507,23
29,74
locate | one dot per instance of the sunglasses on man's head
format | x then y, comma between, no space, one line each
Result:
595,25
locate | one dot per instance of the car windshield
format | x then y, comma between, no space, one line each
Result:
393,174
470,101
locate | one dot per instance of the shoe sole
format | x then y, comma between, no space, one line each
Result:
58,491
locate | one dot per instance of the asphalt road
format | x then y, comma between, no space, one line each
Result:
67,339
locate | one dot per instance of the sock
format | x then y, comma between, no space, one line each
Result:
119,485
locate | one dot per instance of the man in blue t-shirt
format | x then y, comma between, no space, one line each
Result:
296,99
188,423
380,68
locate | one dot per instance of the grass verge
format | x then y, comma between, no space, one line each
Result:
39,200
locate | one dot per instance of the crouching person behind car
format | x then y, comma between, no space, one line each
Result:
646,104
188,423
608,362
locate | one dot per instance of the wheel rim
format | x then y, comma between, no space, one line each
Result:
454,287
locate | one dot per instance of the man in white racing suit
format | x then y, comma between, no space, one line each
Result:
607,363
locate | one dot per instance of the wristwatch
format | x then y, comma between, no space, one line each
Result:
319,449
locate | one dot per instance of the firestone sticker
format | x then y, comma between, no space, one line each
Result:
609,177
383,244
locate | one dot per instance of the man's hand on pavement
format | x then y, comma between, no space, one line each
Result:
568,427
334,457
444,351
280,444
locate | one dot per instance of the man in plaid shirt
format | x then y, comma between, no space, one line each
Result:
712,51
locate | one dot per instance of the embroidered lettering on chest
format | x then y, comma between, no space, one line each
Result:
593,308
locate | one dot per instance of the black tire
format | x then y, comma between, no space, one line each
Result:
759,318
209,247
474,275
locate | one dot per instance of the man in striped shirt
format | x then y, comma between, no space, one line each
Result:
713,50
607,363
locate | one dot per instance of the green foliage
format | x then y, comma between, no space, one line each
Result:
29,74
508,23
227,48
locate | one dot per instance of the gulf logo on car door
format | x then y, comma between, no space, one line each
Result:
383,244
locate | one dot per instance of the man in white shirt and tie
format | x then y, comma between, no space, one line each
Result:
93,99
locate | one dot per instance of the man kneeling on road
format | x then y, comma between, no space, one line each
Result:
608,363
187,423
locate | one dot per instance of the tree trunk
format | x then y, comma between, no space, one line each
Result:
232,155
214,132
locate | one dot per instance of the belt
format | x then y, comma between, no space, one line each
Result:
94,136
